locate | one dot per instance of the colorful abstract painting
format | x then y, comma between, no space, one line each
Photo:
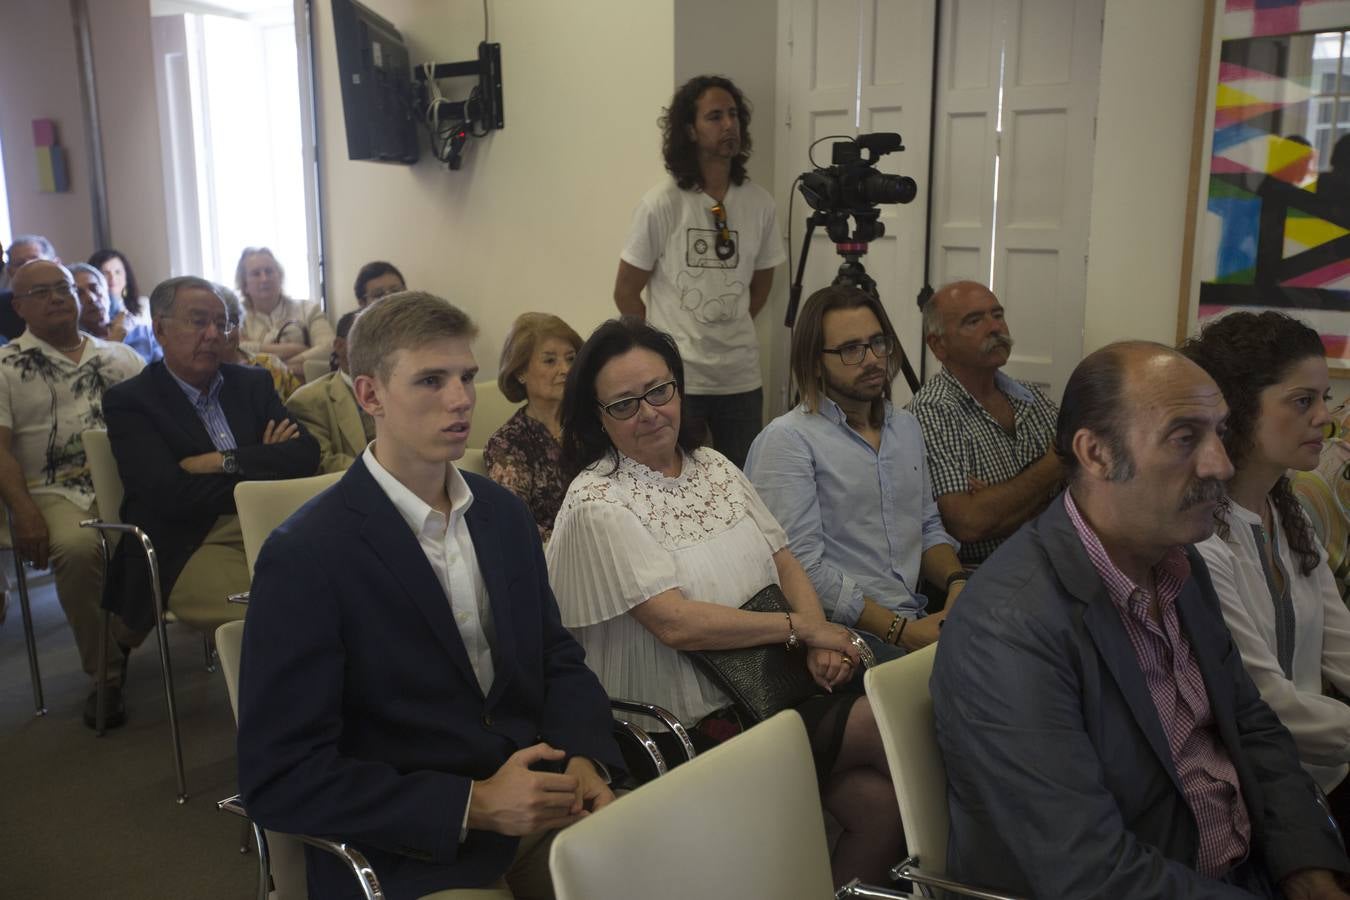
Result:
1276,229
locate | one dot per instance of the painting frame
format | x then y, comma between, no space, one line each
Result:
1244,21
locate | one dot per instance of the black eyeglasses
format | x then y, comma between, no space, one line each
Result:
883,345
627,407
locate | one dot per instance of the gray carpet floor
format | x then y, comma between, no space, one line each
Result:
83,816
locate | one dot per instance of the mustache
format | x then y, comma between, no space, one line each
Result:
994,341
1203,490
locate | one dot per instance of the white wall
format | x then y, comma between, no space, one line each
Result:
1141,169
538,214
39,79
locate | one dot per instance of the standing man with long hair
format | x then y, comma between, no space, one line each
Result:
704,244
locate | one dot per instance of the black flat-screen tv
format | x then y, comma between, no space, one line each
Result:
377,93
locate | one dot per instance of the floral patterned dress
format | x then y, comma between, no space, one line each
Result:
525,459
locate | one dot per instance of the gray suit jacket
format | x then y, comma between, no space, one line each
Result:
1060,780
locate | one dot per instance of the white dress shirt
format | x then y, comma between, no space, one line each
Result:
1321,640
448,547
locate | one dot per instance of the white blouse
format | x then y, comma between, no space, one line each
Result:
621,539
291,321
1320,724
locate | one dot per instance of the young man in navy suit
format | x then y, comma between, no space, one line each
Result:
406,684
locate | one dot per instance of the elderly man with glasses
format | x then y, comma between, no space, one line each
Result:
846,475
52,383
185,432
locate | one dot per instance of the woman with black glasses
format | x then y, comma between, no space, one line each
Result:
655,549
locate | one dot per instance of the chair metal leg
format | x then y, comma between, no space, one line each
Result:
101,705
264,862
39,705
166,668
209,649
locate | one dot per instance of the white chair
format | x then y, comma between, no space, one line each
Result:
108,492
315,368
263,505
741,820
491,409
898,692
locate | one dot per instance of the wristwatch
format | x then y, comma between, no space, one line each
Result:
229,463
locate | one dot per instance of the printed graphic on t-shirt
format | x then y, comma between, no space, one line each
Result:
701,250
708,296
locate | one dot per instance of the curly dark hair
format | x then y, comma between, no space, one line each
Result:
1245,353
131,294
584,440
679,151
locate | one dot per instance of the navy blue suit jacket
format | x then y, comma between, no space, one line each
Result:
359,713
1060,777
152,426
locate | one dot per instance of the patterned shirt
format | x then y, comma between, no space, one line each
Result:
207,405
1208,779
964,441
47,401
524,458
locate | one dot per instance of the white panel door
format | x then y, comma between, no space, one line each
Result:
1052,52
853,67
1017,102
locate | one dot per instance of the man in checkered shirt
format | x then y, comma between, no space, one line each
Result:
987,435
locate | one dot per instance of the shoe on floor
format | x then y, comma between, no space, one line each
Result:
114,711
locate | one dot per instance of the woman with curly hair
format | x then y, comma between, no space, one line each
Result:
1278,595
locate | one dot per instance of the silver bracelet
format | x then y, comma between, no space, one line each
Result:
793,642
865,654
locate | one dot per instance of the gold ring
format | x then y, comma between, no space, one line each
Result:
845,660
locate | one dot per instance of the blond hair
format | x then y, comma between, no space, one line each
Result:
403,321
527,332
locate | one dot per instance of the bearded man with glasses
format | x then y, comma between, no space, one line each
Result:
846,475
52,383
988,436
185,432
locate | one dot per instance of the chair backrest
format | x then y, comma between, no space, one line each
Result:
472,461
491,409
315,368
903,707
263,505
286,854
690,842
229,641
107,480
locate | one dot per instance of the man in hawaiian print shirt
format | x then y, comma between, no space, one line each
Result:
52,379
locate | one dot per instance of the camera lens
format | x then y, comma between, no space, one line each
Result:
883,188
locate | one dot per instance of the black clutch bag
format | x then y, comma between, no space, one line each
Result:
761,680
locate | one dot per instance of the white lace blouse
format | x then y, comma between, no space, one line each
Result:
621,539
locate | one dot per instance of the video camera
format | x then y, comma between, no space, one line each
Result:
852,186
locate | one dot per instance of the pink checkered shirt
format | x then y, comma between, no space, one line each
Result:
1208,779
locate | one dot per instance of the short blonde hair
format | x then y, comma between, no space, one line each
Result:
528,331
403,321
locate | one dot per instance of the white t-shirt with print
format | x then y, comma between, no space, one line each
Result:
36,379
701,299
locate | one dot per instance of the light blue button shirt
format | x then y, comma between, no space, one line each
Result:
207,405
858,519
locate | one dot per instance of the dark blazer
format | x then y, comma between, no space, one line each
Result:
152,426
359,713
11,326
1060,780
